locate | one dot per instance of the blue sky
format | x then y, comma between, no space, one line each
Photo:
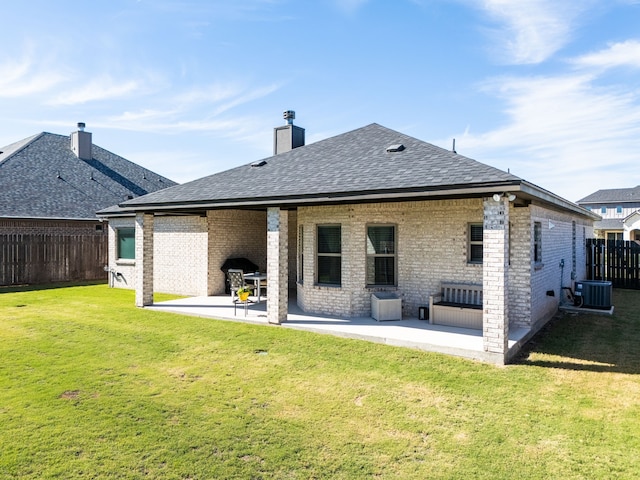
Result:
548,89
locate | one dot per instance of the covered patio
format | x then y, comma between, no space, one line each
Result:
408,332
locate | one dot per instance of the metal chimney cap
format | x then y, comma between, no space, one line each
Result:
289,115
81,126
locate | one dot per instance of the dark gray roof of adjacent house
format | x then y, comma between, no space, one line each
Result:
613,195
41,177
357,162
609,224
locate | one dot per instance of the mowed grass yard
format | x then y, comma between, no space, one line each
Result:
92,387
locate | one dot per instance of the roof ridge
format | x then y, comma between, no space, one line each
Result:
22,144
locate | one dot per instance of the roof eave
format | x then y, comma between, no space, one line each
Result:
553,199
330,198
476,190
75,219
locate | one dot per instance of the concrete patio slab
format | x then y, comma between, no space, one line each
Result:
408,332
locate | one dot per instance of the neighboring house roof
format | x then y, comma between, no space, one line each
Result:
353,166
41,177
630,216
613,195
609,224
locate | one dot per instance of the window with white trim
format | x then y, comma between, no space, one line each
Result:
126,241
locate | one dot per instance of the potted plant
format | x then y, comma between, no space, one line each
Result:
243,293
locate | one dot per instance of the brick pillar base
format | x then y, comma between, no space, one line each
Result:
277,265
495,248
144,259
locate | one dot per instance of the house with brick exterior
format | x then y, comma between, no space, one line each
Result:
370,211
620,212
50,189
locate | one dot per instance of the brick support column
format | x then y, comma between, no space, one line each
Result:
144,259
211,248
495,269
277,265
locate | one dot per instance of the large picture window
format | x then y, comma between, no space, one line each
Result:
381,255
126,243
475,242
329,255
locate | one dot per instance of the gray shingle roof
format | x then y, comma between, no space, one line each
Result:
619,195
350,163
40,177
609,224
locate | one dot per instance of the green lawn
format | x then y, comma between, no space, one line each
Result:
92,387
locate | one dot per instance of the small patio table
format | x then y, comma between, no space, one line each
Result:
256,278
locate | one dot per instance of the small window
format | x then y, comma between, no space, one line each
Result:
475,242
537,242
329,251
126,243
614,236
300,253
603,209
618,209
381,255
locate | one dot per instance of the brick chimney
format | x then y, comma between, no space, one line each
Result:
289,136
81,143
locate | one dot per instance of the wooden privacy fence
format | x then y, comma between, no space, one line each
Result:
617,261
45,258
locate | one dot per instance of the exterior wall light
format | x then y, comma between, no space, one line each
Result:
510,196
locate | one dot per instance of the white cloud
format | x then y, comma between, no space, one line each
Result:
562,133
248,96
209,93
531,30
103,88
615,55
19,78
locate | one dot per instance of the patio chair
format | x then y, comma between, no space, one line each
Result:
236,281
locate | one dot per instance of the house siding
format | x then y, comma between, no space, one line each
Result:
234,233
431,248
179,247
182,242
520,266
557,245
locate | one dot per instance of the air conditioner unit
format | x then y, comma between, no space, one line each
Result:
593,294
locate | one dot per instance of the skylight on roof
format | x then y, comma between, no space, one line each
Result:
398,147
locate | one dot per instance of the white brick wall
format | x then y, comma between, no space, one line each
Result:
557,245
235,233
180,250
180,247
431,244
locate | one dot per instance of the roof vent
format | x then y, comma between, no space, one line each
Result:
259,163
398,147
289,115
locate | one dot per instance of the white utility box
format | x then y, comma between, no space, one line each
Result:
386,306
